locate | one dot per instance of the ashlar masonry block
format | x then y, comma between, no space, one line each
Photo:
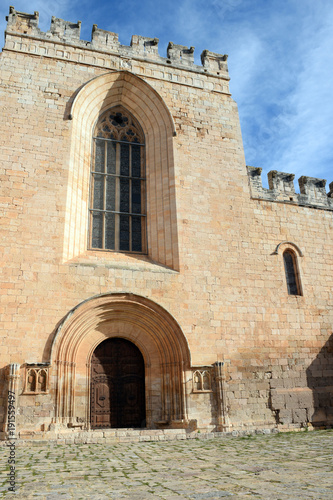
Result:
64,30
145,46
281,182
313,189
104,40
180,54
225,346
20,22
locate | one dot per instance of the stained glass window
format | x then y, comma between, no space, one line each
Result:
117,206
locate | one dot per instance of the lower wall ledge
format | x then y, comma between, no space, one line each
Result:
114,436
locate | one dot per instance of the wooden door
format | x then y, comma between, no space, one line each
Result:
117,385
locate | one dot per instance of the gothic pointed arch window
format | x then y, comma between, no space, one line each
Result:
292,278
117,209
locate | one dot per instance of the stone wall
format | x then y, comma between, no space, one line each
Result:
281,189
215,239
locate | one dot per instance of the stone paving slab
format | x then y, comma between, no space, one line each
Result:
286,466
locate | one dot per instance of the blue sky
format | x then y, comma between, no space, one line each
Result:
280,63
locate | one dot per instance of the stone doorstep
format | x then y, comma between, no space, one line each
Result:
115,436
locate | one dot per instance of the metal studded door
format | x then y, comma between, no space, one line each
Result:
117,385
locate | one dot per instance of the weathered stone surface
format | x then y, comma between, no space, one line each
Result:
180,54
260,466
226,347
282,189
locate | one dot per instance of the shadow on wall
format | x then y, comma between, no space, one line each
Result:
320,381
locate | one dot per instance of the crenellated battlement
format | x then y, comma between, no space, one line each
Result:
68,34
281,189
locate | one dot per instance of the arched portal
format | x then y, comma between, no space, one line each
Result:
142,322
117,395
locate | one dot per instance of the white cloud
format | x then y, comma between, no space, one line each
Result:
309,131
280,63
45,8
282,79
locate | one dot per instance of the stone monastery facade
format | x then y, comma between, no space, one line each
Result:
149,281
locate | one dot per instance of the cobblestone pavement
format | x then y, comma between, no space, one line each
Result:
277,467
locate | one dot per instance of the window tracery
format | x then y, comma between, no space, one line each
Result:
118,192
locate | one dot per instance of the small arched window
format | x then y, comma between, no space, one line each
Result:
206,381
31,380
197,381
118,193
290,267
42,381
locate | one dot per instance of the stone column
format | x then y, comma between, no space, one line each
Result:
222,417
64,393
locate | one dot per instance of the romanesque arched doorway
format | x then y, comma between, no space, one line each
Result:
117,385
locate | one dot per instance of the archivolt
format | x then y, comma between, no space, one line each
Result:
109,88
281,247
143,322
130,308
137,96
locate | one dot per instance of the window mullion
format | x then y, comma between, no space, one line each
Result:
143,186
104,198
91,200
130,195
117,200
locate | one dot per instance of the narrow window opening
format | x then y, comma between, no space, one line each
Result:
290,267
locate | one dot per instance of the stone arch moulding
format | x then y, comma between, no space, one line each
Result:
284,245
121,88
294,249
150,327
